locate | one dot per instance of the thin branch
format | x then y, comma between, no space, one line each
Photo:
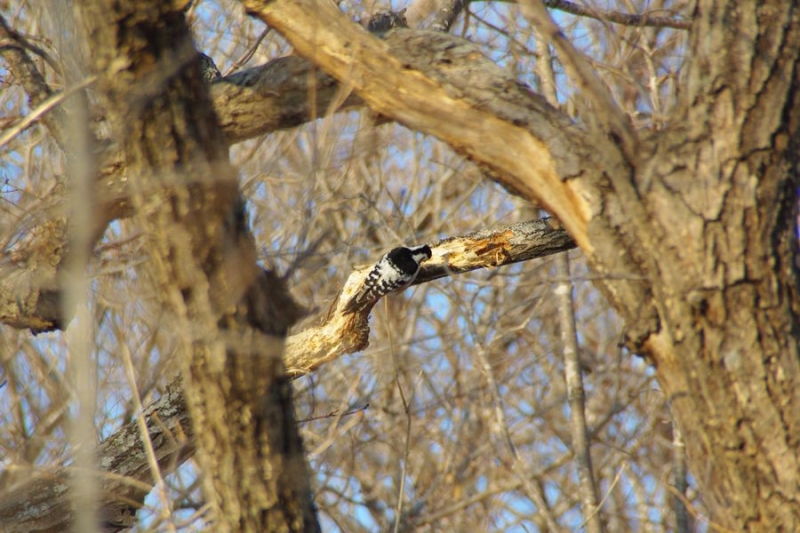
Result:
617,17
577,398
608,493
443,13
531,485
695,513
50,103
249,53
335,414
609,115
150,454
42,502
569,337
13,49
446,15
436,15
398,513
680,480
8,31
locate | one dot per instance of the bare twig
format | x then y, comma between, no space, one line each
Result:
8,32
569,343
695,513
617,17
152,460
12,49
608,493
335,414
406,450
249,53
531,486
443,13
437,15
53,101
607,112
576,398
680,480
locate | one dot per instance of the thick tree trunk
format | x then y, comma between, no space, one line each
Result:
230,316
721,184
693,225
727,353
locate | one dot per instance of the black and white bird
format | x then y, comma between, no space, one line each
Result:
394,271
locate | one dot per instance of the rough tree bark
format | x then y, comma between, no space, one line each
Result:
250,103
725,276
693,225
700,216
231,316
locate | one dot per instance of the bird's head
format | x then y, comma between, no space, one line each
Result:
408,259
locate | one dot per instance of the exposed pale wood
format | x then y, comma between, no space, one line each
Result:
334,335
522,158
273,97
340,333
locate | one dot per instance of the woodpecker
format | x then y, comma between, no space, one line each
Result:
394,271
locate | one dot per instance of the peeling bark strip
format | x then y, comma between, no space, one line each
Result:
172,434
203,261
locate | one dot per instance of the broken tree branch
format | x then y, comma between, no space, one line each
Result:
41,504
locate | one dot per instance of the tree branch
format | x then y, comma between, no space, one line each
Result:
275,96
446,87
627,19
557,161
611,118
437,15
525,154
12,49
41,504
522,142
341,333
442,14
